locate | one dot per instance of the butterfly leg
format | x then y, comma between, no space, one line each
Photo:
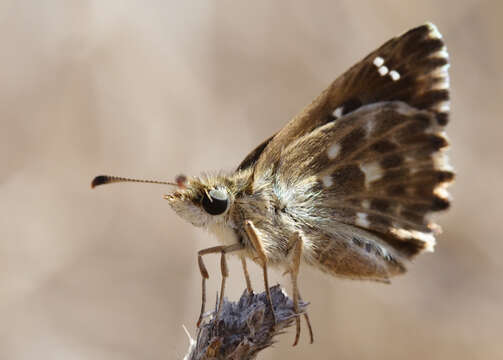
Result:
251,231
204,273
294,272
247,275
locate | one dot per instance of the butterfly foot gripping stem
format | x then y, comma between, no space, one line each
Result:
204,274
294,272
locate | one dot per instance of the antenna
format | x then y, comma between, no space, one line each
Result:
107,179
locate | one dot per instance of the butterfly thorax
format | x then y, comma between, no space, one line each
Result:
265,204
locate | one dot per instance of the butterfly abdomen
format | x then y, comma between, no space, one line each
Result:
356,255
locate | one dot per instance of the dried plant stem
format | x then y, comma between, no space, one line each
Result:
244,328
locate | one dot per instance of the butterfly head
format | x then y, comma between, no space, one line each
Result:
201,202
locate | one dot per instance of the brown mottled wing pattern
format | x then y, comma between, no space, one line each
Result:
418,58
372,149
381,168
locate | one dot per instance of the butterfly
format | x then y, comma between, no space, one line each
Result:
347,186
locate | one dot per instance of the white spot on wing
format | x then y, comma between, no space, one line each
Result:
441,191
383,70
378,61
333,151
434,33
338,112
443,106
372,172
442,85
442,53
427,238
442,74
361,220
395,75
441,161
441,71
327,181
366,204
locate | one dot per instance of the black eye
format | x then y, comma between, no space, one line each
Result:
216,203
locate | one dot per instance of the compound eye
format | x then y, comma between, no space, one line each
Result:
216,203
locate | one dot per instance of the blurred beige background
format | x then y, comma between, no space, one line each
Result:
153,89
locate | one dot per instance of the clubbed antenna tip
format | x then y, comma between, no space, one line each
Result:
100,180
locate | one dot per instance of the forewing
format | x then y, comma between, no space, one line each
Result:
411,68
252,157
